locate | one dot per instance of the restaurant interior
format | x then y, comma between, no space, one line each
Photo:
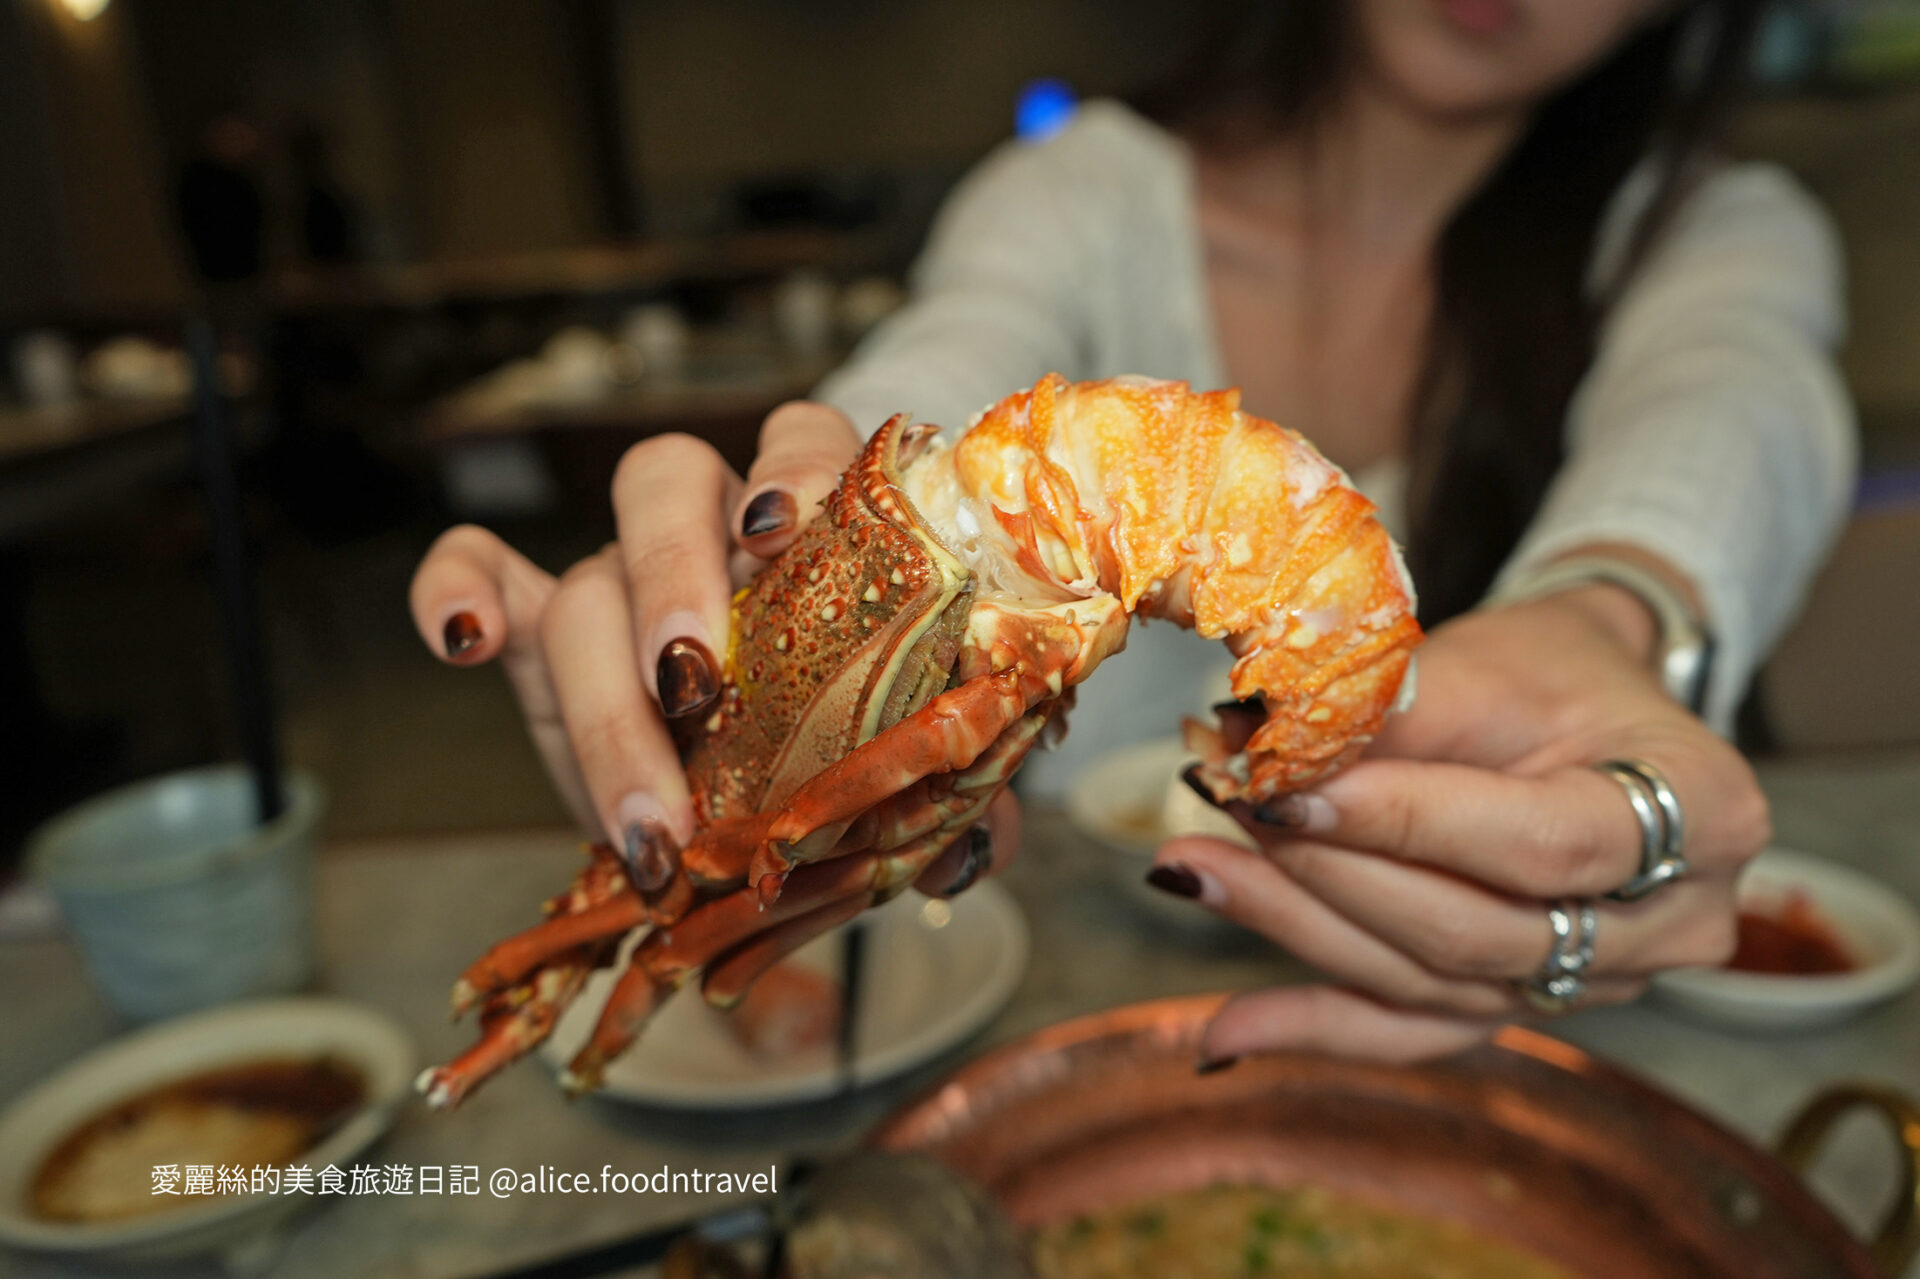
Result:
289,289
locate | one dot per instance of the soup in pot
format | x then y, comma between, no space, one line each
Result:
1248,1232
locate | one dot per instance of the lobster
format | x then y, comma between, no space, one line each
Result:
886,675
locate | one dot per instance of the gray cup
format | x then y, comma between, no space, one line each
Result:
177,899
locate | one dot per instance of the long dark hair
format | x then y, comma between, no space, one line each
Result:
1514,325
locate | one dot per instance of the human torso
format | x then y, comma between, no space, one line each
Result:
1320,333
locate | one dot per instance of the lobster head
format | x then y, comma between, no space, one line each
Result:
856,626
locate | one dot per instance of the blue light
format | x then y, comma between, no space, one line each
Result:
1042,109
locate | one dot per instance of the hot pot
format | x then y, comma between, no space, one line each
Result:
1527,1139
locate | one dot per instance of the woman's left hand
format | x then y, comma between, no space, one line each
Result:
1419,880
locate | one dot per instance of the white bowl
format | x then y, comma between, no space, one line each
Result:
1878,927
157,1055
1132,800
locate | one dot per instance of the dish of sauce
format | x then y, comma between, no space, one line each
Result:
260,1113
1792,939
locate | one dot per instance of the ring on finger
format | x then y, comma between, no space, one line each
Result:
1560,982
1662,826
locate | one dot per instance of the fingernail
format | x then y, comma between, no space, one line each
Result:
1213,1065
462,632
1191,776
979,857
1176,879
1308,812
1250,706
1182,880
649,856
772,511
687,678
1286,811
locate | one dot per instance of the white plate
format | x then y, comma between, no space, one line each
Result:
1879,928
184,1046
936,972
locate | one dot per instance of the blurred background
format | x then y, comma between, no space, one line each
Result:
449,259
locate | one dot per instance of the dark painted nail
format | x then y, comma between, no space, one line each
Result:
462,633
1191,776
1251,706
1214,1065
650,855
772,511
979,857
1176,879
687,678
1287,811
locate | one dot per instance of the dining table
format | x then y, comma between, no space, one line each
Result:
398,917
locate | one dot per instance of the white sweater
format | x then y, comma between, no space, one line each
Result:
1712,429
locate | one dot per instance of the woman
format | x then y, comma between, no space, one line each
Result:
1484,239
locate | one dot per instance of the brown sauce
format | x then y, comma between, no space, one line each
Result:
258,1113
1792,940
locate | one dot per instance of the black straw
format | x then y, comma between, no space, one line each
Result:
853,953
233,577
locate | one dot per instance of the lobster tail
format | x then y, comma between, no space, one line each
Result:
1183,507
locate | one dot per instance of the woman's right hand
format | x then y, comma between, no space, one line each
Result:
603,656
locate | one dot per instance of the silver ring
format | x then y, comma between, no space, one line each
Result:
1662,826
1561,980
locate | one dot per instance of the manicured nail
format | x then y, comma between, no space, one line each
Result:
1308,812
1176,879
1182,880
772,511
1250,706
979,856
649,853
687,678
1213,1065
462,632
1287,811
1191,776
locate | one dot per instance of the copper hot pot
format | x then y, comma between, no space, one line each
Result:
1527,1139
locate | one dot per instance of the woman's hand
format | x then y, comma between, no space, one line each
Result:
604,656
1418,880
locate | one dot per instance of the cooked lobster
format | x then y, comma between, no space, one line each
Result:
887,674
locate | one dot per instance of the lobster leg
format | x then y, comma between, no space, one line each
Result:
667,957
631,1002
728,978
514,1023
509,962
599,891
1012,660
716,857
918,837
948,733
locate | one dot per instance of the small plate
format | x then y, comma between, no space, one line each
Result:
936,973
1879,928
177,1049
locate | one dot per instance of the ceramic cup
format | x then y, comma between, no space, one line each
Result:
177,899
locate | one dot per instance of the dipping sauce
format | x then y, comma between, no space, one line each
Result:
1246,1232
1791,939
259,1113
